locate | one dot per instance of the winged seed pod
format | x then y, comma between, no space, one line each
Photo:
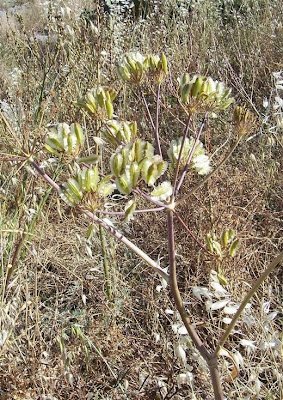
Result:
157,67
200,162
129,210
86,188
117,132
202,93
65,139
98,101
163,191
234,247
132,67
244,121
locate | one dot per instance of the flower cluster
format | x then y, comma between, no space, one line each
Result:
87,187
99,102
134,66
65,139
133,161
201,93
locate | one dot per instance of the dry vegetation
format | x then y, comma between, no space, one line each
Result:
60,337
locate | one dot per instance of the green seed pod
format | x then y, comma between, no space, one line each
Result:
123,184
234,247
135,173
185,78
78,132
54,143
125,152
134,128
196,87
87,179
123,73
75,189
161,167
209,243
109,108
89,103
231,234
90,231
100,96
151,175
138,150
185,91
66,197
132,66
93,158
129,210
148,150
164,63
222,280
217,247
116,164
94,178
107,189
224,238
144,165
127,132
72,143
51,150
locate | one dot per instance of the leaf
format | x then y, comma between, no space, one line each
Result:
199,291
219,304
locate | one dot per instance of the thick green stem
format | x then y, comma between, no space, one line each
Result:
249,295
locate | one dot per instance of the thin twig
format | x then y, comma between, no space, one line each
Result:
186,130
191,155
122,213
192,235
156,130
148,111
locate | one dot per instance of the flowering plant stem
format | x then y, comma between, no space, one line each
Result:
211,359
